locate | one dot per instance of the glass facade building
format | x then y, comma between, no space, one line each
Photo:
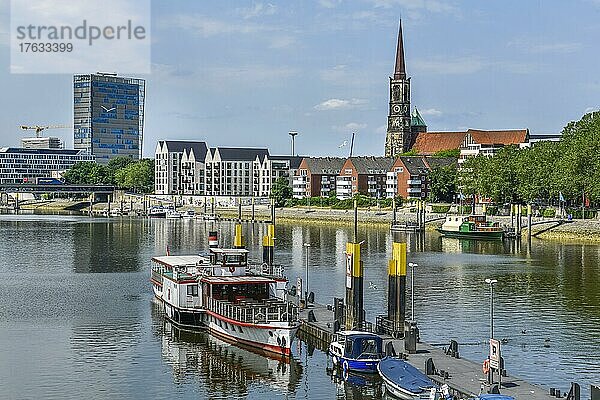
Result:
108,115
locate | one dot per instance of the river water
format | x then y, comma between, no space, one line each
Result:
77,316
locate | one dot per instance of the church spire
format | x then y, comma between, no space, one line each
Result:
400,70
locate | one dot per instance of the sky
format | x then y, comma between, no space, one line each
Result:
245,73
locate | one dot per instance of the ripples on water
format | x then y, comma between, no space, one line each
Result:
77,317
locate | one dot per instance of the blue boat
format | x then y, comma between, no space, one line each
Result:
493,397
404,381
356,351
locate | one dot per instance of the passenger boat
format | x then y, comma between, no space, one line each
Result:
471,227
356,351
404,381
232,298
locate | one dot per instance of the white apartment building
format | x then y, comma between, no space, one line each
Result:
170,157
230,170
18,165
267,170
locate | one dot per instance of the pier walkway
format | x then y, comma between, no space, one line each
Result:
465,378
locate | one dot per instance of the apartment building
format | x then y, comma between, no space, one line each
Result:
171,158
316,176
409,176
268,169
363,175
230,170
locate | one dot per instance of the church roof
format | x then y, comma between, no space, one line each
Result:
416,119
431,142
400,68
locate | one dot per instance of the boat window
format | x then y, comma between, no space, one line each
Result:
369,346
192,290
348,349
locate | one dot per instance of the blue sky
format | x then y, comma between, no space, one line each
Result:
244,73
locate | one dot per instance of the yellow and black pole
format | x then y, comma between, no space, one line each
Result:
397,287
269,245
354,281
238,241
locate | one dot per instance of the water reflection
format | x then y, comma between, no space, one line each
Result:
224,369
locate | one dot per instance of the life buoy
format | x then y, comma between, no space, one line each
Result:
345,370
486,367
232,269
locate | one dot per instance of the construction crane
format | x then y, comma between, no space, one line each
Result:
39,129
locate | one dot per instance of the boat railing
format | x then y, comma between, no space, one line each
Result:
255,312
156,276
265,269
385,326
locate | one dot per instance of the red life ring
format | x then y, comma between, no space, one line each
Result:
486,367
232,269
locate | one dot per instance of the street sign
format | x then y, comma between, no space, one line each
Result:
494,354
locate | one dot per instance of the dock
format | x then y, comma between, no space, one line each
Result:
464,378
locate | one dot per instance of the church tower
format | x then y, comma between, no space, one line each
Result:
399,138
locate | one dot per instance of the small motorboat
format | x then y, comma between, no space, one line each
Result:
189,214
356,351
404,381
172,214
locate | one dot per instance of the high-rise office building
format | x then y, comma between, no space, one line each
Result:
108,115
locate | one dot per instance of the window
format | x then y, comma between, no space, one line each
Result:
348,171
192,290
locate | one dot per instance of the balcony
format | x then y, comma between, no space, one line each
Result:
413,182
414,190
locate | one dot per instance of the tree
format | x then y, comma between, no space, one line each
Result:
88,173
281,191
443,183
454,153
137,176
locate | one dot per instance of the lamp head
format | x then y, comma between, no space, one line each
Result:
491,281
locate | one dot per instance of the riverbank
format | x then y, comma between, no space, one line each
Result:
576,230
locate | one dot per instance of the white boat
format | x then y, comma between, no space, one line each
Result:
172,214
157,212
232,298
189,214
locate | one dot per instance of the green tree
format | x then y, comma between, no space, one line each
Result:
443,183
137,176
281,191
88,173
447,153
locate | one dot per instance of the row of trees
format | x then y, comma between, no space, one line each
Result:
546,170
123,172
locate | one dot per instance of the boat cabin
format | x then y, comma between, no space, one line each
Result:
357,345
228,262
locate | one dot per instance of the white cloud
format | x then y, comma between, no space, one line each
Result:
257,10
339,104
530,45
206,27
349,127
431,112
437,6
217,75
330,3
470,65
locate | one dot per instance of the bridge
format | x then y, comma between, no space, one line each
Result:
54,188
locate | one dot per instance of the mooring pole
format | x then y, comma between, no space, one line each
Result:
238,242
397,287
253,209
354,280
239,208
529,222
393,211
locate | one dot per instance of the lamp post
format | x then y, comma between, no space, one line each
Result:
307,245
293,135
412,289
491,283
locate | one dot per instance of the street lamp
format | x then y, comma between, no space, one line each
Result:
412,289
491,283
307,245
293,135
